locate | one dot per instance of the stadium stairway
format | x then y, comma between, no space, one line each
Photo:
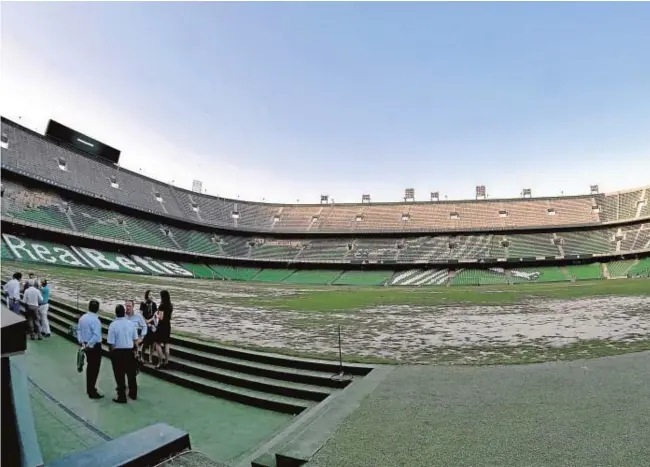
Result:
268,381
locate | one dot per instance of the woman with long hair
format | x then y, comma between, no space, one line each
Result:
149,311
164,329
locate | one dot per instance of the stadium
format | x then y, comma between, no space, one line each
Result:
463,279
369,272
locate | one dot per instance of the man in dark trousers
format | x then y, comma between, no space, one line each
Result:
89,336
123,338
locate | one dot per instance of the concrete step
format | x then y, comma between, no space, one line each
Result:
298,443
294,390
230,364
246,396
323,366
262,384
250,397
327,368
314,378
232,378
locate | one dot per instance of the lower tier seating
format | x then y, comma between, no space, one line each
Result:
363,278
312,277
585,271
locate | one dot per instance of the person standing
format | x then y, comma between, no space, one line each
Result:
31,281
32,297
140,325
123,339
43,309
163,332
12,289
149,311
89,336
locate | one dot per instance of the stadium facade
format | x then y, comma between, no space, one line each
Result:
53,193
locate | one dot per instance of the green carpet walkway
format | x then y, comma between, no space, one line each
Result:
223,430
580,414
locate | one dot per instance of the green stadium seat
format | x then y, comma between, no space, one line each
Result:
364,278
314,277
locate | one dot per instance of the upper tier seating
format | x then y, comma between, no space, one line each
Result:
632,204
49,209
38,157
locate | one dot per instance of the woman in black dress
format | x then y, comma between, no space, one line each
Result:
164,329
149,312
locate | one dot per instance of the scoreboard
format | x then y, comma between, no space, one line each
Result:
91,146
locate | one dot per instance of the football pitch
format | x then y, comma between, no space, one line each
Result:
495,324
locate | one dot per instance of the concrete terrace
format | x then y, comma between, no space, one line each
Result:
67,421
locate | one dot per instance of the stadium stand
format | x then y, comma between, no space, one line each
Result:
531,245
49,209
315,277
274,275
6,254
479,277
441,233
585,272
33,155
591,242
540,274
419,277
38,251
200,271
363,278
235,274
640,269
618,269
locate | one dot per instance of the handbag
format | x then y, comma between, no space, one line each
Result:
81,359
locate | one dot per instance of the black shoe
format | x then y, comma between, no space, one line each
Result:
32,337
134,397
96,396
117,400
40,338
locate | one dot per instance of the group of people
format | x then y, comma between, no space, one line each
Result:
35,296
130,336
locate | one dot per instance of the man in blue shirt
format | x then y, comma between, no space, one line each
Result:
89,336
43,308
123,339
12,288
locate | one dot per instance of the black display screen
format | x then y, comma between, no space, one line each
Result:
81,142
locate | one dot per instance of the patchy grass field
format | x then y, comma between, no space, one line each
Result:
480,325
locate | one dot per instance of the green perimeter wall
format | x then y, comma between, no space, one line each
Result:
31,251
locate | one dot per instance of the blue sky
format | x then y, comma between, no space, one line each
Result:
288,101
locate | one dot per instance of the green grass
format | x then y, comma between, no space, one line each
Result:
527,354
317,309
351,298
354,298
496,355
581,414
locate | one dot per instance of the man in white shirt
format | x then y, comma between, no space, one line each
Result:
140,325
12,288
32,298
